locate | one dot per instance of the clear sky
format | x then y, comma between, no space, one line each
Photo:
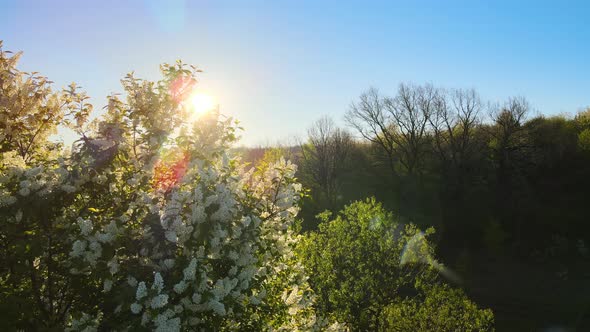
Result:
279,65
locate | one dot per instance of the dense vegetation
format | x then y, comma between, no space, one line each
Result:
375,273
505,189
147,223
152,222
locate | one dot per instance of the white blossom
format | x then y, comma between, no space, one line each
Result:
108,285
113,265
166,323
136,308
7,200
171,236
85,226
217,307
86,323
141,291
132,281
78,248
218,211
24,191
180,287
158,282
159,301
19,216
196,298
189,271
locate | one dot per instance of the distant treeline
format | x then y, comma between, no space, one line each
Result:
490,177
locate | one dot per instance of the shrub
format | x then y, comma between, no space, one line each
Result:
367,269
437,308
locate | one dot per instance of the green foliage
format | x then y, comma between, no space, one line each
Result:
437,308
31,111
363,260
584,140
148,224
583,119
36,232
270,156
368,267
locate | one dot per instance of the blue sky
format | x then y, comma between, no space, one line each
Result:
279,65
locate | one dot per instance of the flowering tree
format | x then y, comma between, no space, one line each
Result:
148,222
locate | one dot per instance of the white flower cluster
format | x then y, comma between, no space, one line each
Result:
86,323
89,248
205,217
153,303
217,244
20,180
108,285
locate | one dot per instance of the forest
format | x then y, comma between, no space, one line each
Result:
430,210
503,187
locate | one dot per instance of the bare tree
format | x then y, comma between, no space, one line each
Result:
397,125
455,119
509,118
371,120
410,112
325,156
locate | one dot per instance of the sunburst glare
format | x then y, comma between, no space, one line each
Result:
202,103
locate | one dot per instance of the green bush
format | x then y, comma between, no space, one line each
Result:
367,268
584,140
437,308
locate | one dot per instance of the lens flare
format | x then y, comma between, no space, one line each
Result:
202,103
182,87
417,250
169,170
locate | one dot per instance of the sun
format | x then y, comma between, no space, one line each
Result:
202,103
